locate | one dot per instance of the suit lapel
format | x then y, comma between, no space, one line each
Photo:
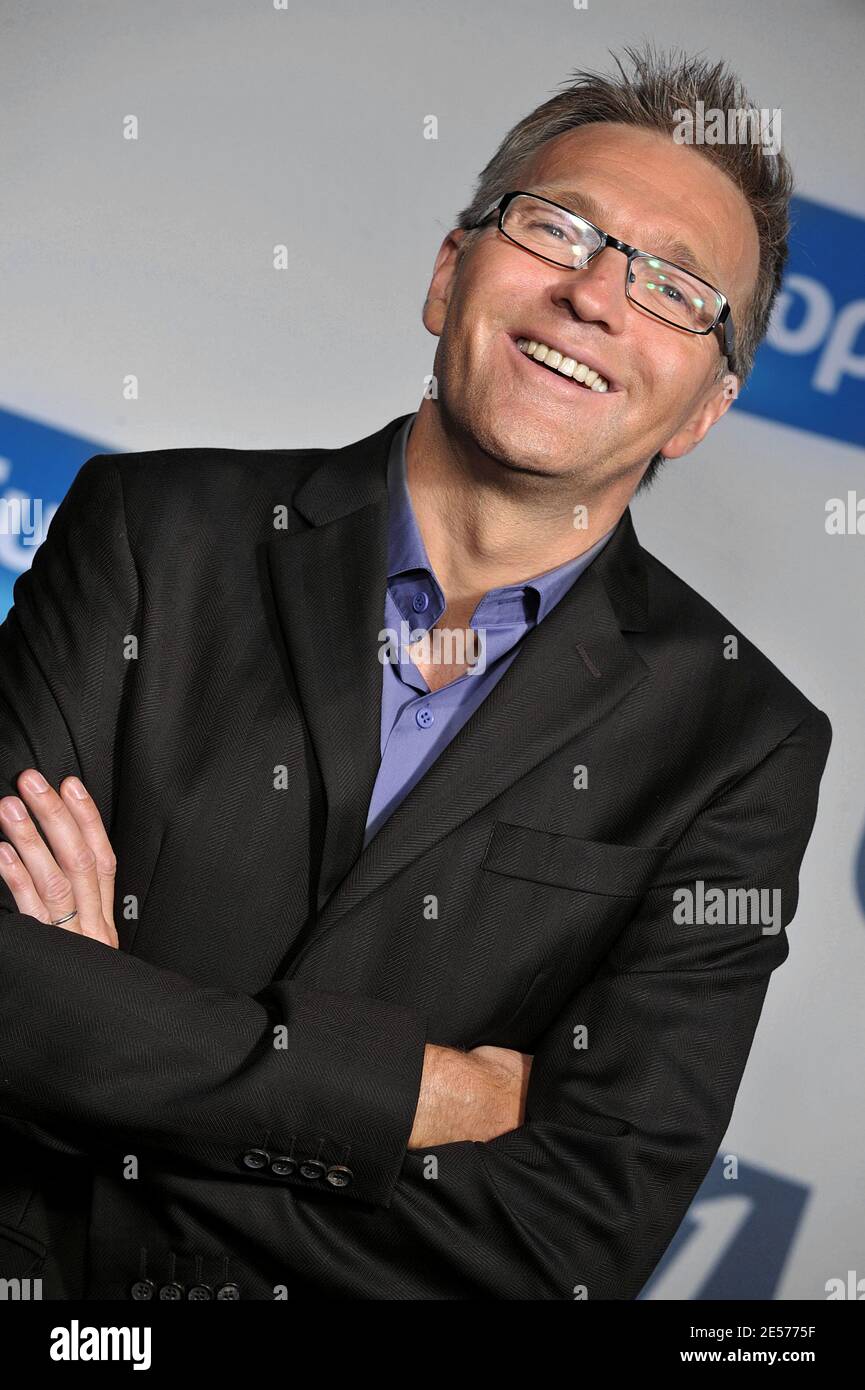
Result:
329,588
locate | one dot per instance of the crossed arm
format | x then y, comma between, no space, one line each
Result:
584,1191
65,877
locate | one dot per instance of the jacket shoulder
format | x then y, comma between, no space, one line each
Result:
171,492
706,648
183,467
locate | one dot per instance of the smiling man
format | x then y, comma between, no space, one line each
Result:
373,968
501,463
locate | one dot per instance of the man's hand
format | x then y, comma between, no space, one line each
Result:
475,1095
74,872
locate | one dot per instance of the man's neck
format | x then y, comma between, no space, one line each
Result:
485,526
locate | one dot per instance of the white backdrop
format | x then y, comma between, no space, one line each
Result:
305,126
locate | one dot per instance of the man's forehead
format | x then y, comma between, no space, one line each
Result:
642,188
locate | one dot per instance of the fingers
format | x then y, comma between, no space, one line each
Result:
36,873
20,885
63,871
86,813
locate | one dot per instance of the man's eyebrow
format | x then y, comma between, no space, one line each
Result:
670,247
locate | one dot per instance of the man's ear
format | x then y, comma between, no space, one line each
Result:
446,264
717,403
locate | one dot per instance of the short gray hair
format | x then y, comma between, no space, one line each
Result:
649,88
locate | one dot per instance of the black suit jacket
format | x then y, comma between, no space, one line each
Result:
227,1099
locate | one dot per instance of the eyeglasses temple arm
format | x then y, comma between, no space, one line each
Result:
729,334
484,215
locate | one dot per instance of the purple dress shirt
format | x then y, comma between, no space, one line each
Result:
417,723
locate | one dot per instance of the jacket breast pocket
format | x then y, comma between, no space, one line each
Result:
565,861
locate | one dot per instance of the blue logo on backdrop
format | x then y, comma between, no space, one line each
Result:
810,371
37,464
735,1240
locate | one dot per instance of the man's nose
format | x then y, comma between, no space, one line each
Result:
596,293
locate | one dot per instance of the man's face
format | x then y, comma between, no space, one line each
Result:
664,393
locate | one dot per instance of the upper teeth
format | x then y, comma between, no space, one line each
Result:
566,366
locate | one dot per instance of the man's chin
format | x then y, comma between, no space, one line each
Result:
523,445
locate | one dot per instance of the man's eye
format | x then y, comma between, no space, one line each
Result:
550,227
670,292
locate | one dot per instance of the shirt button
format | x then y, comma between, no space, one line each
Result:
420,603
424,718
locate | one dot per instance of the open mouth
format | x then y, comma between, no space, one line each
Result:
569,368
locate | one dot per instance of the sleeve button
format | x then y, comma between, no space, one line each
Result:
255,1158
312,1168
339,1175
226,1291
282,1166
171,1292
142,1290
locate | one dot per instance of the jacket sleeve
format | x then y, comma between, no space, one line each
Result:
96,1044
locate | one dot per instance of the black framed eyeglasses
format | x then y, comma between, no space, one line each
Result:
562,237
